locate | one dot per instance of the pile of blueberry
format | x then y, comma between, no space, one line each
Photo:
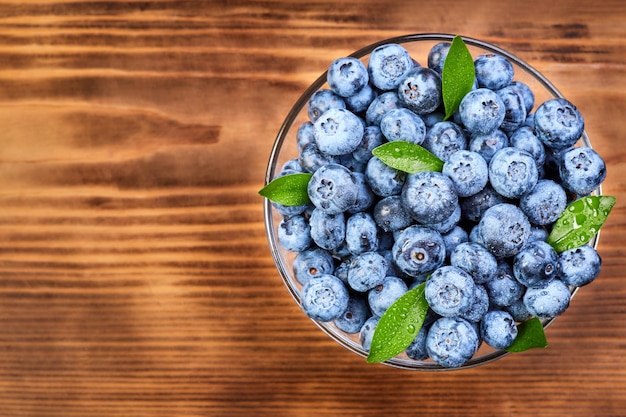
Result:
475,232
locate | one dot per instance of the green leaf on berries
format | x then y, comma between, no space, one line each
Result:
530,334
580,221
408,157
457,77
288,190
399,325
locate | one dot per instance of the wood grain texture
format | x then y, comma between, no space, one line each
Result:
135,277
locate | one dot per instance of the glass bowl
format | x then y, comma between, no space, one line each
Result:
285,148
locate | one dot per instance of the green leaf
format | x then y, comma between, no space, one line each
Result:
288,190
530,335
408,157
399,325
580,221
457,77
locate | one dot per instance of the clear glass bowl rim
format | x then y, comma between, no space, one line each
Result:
301,103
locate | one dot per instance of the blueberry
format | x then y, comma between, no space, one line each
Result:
558,123
535,264
417,349
431,119
333,189
361,233
321,101
347,76
454,237
479,306
444,138
380,105
549,300
504,229
448,224
365,197
544,203
392,270
468,171
294,233
328,231
487,144
352,164
338,132
312,158
305,135
292,165
451,341
388,65
367,332
515,108
355,315
474,235
403,124
342,267
503,288
449,291
360,102
429,197
498,329
437,56
518,311
493,71
476,260
382,179
311,263
372,138
582,170
524,138
418,250
382,296
420,90
390,214
324,298
538,233
482,111
473,207
527,94
579,266
512,172
341,251
367,271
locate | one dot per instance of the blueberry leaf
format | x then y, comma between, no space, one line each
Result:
399,325
530,334
288,190
580,221
457,77
408,157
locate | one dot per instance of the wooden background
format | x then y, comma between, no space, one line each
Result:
135,277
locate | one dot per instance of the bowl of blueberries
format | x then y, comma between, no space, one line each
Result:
486,213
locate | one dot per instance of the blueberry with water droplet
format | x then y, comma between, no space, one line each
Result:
579,266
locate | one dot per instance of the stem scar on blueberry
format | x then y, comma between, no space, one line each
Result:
419,256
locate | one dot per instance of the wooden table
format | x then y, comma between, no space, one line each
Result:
135,276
